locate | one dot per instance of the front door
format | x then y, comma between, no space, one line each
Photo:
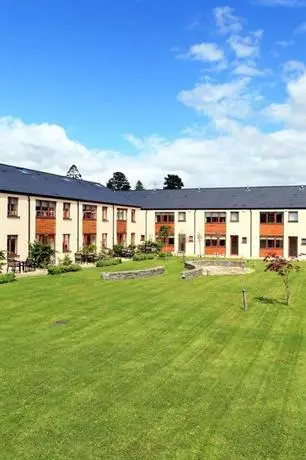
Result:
182,243
293,246
234,245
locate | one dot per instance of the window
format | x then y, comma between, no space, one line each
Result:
46,239
303,242
215,241
12,207
89,212
271,217
89,239
104,240
12,246
244,240
190,239
164,217
182,216
215,217
143,238
121,214
271,243
104,213
66,243
45,208
133,215
133,239
293,216
171,240
66,210
234,216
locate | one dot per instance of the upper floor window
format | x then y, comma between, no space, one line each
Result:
271,217
12,207
45,208
89,212
293,216
215,217
133,215
12,246
182,216
164,217
234,216
66,210
121,214
104,213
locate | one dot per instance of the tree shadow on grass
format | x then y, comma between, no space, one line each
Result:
269,301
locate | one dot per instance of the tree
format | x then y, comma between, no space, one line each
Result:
139,185
173,181
74,173
118,182
283,268
41,253
163,234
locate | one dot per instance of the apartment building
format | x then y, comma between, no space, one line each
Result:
225,222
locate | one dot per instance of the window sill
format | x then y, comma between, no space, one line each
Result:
133,221
105,220
180,221
67,252
46,217
67,218
293,221
13,217
234,221
90,218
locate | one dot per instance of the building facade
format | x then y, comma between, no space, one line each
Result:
71,213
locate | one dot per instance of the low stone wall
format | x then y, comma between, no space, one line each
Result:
192,273
132,274
215,262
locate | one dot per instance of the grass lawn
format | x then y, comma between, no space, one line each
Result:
152,369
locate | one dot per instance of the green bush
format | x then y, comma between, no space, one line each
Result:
138,257
67,260
41,254
118,249
107,262
58,269
7,278
2,260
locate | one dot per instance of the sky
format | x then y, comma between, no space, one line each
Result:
212,91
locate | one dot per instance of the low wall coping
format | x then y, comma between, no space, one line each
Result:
132,274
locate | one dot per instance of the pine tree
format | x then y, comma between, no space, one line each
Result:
118,182
173,181
139,185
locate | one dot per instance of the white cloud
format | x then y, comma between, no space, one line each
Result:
249,70
288,3
284,43
246,47
205,52
293,70
226,21
301,29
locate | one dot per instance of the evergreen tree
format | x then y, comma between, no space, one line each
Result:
139,185
74,172
173,181
118,182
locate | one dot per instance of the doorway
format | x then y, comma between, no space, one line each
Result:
234,245
293,246
182,243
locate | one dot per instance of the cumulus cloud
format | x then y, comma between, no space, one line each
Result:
246,46
205,52
249,70
226,20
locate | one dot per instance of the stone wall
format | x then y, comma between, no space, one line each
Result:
215,262
192,273
132,274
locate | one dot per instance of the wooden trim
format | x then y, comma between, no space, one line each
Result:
271,230
45,226
215,228
89,226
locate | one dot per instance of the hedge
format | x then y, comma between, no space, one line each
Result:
7,277
138,257
107,262
58,269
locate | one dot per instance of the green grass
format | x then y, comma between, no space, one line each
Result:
152,369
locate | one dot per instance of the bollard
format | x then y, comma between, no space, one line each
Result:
244,300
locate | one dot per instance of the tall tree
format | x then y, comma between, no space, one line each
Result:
139,185
173,181
118,182
74,172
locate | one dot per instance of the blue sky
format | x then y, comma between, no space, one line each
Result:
115,79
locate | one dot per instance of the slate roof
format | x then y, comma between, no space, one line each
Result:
37,183
273,197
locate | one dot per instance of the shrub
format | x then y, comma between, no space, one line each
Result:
67,260
2,260
7,278
58,269
41,254
164,254
138,257
107,262
118,249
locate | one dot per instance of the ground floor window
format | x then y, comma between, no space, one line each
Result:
133,237
46,239
66,242
271,243
104,240
142,238
89,239
12,245
215,241
121,239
